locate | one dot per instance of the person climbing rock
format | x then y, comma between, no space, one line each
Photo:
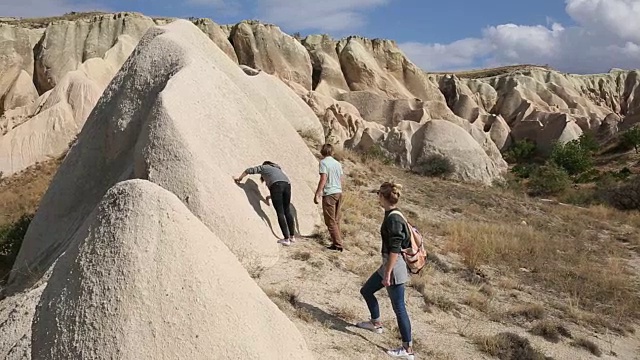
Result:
393,273
330,191
280,192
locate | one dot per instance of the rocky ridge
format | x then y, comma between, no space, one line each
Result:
363,91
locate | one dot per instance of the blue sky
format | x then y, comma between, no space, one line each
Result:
401,20
572,35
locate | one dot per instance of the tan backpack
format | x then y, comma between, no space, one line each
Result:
416,255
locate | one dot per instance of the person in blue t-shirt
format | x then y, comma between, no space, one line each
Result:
330,191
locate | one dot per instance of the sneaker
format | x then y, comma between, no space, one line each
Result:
292,240
400,353
334,248
284,242
368,325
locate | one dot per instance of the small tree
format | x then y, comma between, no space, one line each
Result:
521,151
631,138
589,143
549,179
572,157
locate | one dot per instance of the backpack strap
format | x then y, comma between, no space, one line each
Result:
396,211
405,220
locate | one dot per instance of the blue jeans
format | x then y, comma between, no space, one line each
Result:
396,294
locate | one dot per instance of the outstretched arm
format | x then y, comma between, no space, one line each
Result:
249,171
238,179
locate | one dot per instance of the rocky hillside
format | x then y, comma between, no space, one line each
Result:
365,92
143,247
148,186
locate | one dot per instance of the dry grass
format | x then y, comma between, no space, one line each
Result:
301,255
588,345
508,346
423,283
345,313
439,300
288,301
21,193
550,330
487,290
510,284
529,312
551,260
37,23
477,301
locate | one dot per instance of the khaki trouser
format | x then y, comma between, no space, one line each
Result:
331,205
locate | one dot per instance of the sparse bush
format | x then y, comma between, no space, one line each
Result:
580,197
309,136
301,255
548,179
550,330
631,139
377,153
572,157
588,345
434,165
625,196
529,312
521,152
508,346
477,301
440,301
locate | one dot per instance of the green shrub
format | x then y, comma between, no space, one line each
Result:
520,152
588,176
589,143
434,165
11,236
572,157
549,179
623,174
631,139
580,197
523,171
377,153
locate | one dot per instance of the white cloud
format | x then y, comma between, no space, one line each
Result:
36,8
319,15
607,35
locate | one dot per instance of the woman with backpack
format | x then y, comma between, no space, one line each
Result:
393,273
280,189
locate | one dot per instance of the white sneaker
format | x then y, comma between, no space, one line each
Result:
292,240
284,242
400,353
368,325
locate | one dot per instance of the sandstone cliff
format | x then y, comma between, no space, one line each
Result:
145,215
384,88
